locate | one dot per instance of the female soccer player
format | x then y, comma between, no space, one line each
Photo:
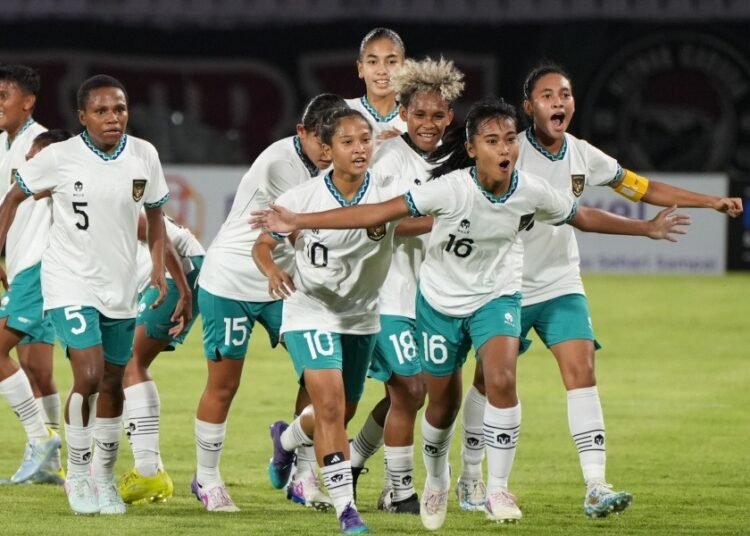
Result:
30,391
98,182
554,302
22,322
330,318
426,91
381,53
233,296
155,333
469,287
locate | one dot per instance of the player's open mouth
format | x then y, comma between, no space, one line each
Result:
360,161
558,118
505,165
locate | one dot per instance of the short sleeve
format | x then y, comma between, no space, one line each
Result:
438,197
40,174
157,191
554,207
602,169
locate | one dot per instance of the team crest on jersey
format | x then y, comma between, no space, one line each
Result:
526,222
376,233
139,187
577,182
463,227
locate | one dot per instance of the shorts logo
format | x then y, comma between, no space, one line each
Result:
463,227
577,183
139,187
4,301
680,99
526,223
509,318
376,233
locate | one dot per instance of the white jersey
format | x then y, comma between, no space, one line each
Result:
29,234
378,122
473,254
228,269
96,201
409,166
185,244
339,272
551,259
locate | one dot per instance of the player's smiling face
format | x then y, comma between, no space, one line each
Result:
427,117
15,106
313,148
494,147
551,105
351,146
105,116
381,57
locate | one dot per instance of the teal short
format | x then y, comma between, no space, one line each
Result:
158,321
22,306
560,319
81,327
395,349
445,340
227,324
318,350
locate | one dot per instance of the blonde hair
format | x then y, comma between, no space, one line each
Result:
428,76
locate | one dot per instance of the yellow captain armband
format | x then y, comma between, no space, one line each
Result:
632,186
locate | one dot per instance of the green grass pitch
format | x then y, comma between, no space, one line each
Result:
673,378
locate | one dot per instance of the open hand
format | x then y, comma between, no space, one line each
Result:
276,219
666,224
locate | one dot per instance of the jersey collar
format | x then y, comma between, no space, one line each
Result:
559,155
312,169
30,121
413,146
340,198
492,198
101,154
375,114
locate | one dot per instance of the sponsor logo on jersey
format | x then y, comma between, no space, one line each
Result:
463,227
139,187
577,183
78,186
526,222
376,233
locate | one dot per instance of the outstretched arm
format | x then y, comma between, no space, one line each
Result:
280,284
280,220
13,198
663,226
635,188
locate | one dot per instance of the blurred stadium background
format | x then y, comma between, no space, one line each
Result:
663,85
